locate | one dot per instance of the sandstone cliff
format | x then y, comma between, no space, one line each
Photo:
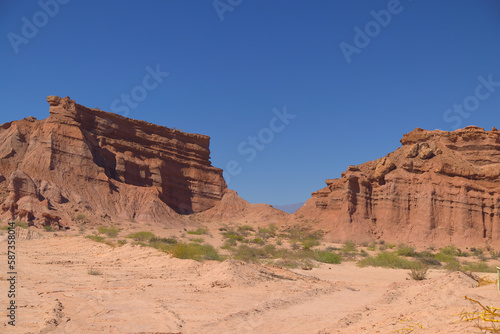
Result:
439,188
86,162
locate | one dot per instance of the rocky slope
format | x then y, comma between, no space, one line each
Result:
82,162
439,188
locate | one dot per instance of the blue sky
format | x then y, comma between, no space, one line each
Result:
234,65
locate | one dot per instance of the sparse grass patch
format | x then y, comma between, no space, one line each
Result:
141,236
198,231
372,247
197,240
480,267
405,250
388,260
95,238
48,228
349,247
195,252
327,257
21,224
81,216
93,271
110,231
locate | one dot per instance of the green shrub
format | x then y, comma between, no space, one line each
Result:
48,228
110,231
194,251
197,240
309,243
349,247
246,228
405,250
258,241
481,267
198,231
141,236
388,260
21,224
95,238
449,250
476,251
81,216
363,253
327,257
372,247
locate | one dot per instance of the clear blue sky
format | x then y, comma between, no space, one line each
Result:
227,76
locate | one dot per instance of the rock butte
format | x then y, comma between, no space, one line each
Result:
104,166
439,188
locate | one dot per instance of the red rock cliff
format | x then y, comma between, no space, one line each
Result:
99,164
439,188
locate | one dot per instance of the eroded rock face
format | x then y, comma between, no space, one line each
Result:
102,165
439,188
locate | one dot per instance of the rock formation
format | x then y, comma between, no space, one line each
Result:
439,188
86,163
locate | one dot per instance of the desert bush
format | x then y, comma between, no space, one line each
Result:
453,265
229,243
194,251
246,229
197,240
476,251
110,231
21,224
198,231
418,274
93,271
309,243
405,250
267,232
349,247
233,235
494,255
481,267
428,259
81,216
372,247
258,241
388,260
363,253
122,242
48,228
448,250
142,236
327,257
95,238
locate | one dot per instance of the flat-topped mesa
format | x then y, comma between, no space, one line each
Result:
105,165
440,187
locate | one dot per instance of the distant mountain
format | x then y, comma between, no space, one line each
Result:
289,208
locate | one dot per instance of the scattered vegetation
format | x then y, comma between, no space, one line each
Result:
110,231
81,216
93,271
388,260
198,231
327,257
48,228
95,238
142,236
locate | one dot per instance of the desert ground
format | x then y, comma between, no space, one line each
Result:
70,283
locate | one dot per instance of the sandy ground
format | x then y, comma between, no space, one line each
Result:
144,291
